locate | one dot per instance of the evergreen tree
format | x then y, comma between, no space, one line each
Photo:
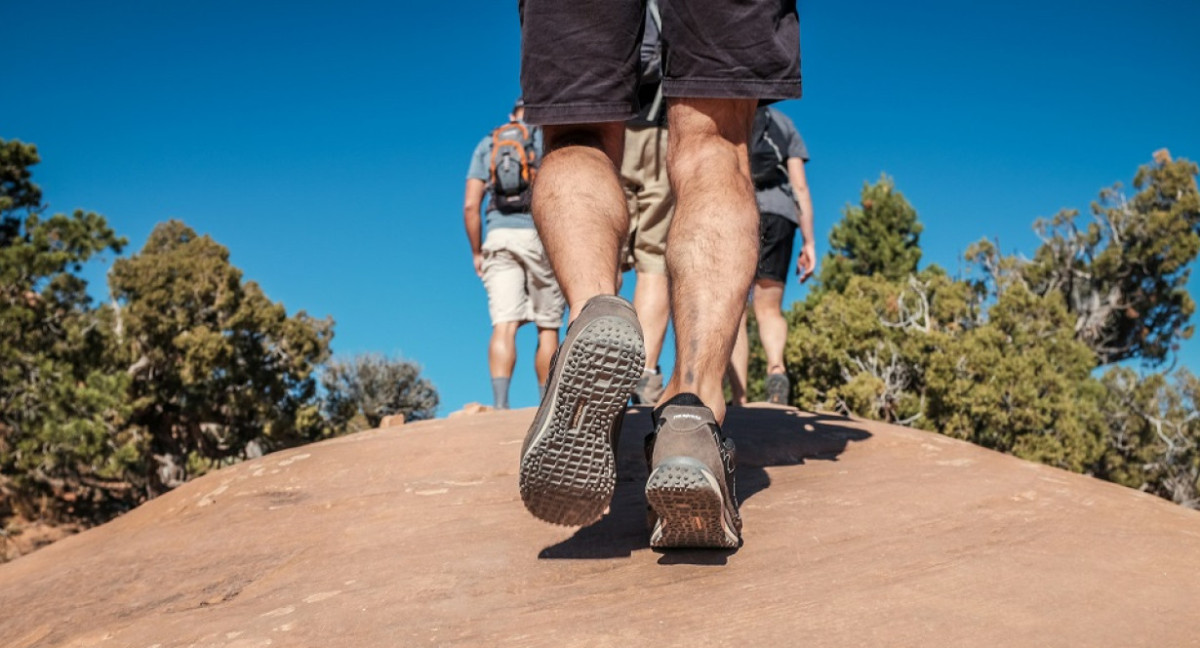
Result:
1008,362
880,235
218,371
62,450
1153,433
1124,276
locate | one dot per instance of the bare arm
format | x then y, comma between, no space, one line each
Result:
806,263
472,202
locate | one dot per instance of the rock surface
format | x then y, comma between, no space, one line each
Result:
856,534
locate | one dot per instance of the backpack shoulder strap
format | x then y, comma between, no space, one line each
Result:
524,145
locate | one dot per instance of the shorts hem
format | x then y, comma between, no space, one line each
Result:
716,88
577,113
770,277
653,268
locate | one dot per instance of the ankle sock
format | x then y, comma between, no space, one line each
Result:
500,392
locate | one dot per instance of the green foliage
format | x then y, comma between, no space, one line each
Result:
60,406
218,371
1123,277
880,235
1019,383
1009,361
864,350
188,368
1153,433
361,391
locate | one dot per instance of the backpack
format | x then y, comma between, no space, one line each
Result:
768,161
652,64
513,167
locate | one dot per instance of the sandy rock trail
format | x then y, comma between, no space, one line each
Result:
855,534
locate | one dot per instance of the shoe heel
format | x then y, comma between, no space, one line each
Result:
686,497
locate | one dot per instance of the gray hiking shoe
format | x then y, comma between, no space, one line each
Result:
568,461
691,491
649,388
779,388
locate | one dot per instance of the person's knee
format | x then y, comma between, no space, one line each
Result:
505,333
701,155
709,134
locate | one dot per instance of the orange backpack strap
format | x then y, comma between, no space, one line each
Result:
526,157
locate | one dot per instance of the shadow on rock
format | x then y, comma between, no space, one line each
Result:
764,437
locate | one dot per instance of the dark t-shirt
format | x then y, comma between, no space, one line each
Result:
780,199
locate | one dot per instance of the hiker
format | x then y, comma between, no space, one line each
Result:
777,159
579,75
511,261
650,204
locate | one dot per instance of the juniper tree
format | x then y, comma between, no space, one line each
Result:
218,371
62,449
880,235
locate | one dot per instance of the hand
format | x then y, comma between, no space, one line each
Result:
478,259
806,263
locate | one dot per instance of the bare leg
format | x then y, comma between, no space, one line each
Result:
580,208
713,247
547,345
651,300
502,350
739,365
772,327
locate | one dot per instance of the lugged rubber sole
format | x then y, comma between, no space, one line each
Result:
568,472
686,497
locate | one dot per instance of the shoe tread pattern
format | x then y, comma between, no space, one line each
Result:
688,506
568,474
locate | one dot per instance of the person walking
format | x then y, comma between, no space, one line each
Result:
777,159
650,204
578,76
511,260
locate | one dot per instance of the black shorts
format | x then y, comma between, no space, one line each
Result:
776,234
579,58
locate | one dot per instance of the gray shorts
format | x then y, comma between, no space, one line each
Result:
579,58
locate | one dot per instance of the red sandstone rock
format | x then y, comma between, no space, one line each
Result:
393,420
471,409
856,534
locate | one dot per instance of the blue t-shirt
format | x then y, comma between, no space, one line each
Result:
780,199
480,169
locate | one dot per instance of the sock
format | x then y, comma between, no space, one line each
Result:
541,391
500,392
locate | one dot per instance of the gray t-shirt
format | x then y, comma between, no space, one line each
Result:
480,169
781,200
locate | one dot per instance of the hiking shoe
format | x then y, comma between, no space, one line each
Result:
691,490
778,388
649,388
568,461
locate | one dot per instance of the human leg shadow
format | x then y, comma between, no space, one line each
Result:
764,436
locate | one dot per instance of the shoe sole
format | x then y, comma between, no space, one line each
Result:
568,473
778,392
686,497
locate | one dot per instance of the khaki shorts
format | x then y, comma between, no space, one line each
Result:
644,177
519,280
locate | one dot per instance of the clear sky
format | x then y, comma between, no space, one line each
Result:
326,144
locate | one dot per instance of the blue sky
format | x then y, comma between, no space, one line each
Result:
326,144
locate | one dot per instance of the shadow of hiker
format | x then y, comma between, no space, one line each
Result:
765,436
